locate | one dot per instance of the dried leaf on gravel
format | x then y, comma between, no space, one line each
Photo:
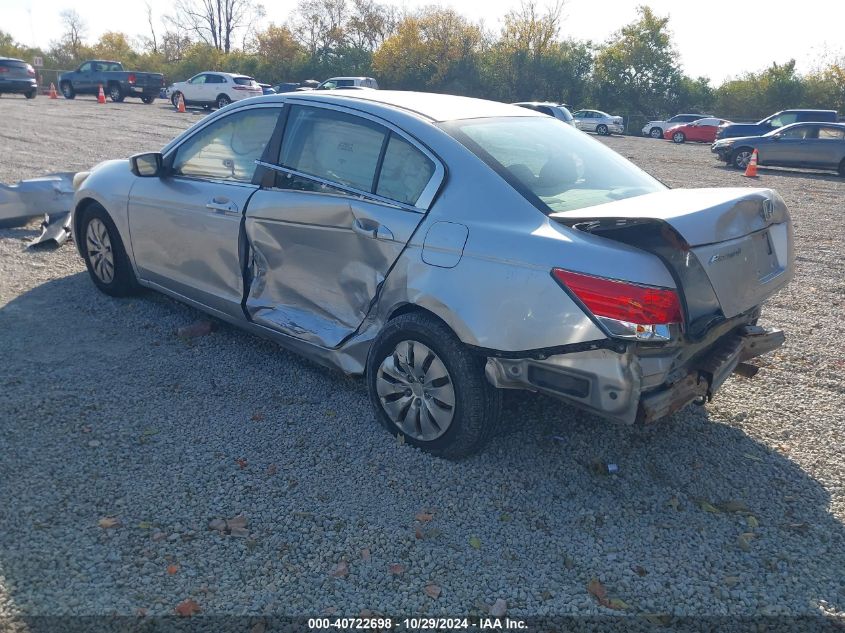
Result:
733,506
187,608
396,569
85,428
424,516
258,627
499,608
239,532
341,570
752,521
365,553
731,581
639,570
109,522
272,469
673,503
418,534
240,461
599,592
504,517
257,416
743,541
239,521
195,329
707,506
432,591
475,542
218,525
172,569
658,619
145,525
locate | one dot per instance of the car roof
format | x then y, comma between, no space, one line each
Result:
800,123
11,59
333,78
429,105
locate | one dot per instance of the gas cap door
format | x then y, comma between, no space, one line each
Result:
444,244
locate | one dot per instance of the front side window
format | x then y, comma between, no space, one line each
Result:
199,79
783,119
332,145
228,148
85,68
554,166
405,171
799,132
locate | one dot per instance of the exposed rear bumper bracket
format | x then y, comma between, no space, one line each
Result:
708,372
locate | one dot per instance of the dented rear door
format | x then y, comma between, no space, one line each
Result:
341,208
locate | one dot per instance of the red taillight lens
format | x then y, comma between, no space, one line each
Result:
622,300
131,78
3,69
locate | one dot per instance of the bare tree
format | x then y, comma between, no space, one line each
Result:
215,22
75,29
153,42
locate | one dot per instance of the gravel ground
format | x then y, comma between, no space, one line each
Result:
733,509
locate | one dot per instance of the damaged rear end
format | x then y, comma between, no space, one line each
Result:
727,250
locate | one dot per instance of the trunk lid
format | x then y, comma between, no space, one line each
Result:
741,239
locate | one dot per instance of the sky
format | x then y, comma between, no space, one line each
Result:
718,39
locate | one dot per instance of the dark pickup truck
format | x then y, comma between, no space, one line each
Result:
116,82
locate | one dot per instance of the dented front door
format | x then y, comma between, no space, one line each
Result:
318,260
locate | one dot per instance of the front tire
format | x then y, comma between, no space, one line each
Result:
602,130
222,101
31,94
426,386
842,168
116,93
104,254
741,157
67,90
174,99
655,132
678,137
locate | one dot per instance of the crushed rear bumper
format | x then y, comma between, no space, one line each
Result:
630,388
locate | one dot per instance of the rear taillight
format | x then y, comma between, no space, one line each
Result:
626,309
30,71
3,69
131,78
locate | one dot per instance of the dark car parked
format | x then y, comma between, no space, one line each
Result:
812,145
17,77
775,121
116,82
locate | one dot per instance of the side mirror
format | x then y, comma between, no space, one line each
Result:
147,165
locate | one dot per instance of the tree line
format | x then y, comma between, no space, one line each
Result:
635,72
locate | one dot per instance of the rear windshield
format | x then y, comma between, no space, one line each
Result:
244,81
555,166
9,63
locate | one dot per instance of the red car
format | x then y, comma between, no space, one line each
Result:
703,131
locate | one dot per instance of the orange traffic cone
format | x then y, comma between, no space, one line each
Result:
181,106
751,170
101,98
53,93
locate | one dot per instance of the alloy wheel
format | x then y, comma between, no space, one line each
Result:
99,249
416,391
742,159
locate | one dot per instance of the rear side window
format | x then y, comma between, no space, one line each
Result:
228,148
8,63
405,171
832,133
333,145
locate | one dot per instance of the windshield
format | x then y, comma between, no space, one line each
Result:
555,166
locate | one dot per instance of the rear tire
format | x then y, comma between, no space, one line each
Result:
417,365
147,100
602,130
655,132
67,90
31,94
842,168
116,93
104,254
678,137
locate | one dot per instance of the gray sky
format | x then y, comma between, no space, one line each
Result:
712,37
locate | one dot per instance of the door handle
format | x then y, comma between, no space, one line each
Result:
373,230
221,204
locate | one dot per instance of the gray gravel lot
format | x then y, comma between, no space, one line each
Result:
732,509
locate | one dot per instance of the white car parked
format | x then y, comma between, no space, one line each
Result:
348,82
556,110
655,129
213,89
599,122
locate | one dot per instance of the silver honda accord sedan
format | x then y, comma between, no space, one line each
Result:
446,248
